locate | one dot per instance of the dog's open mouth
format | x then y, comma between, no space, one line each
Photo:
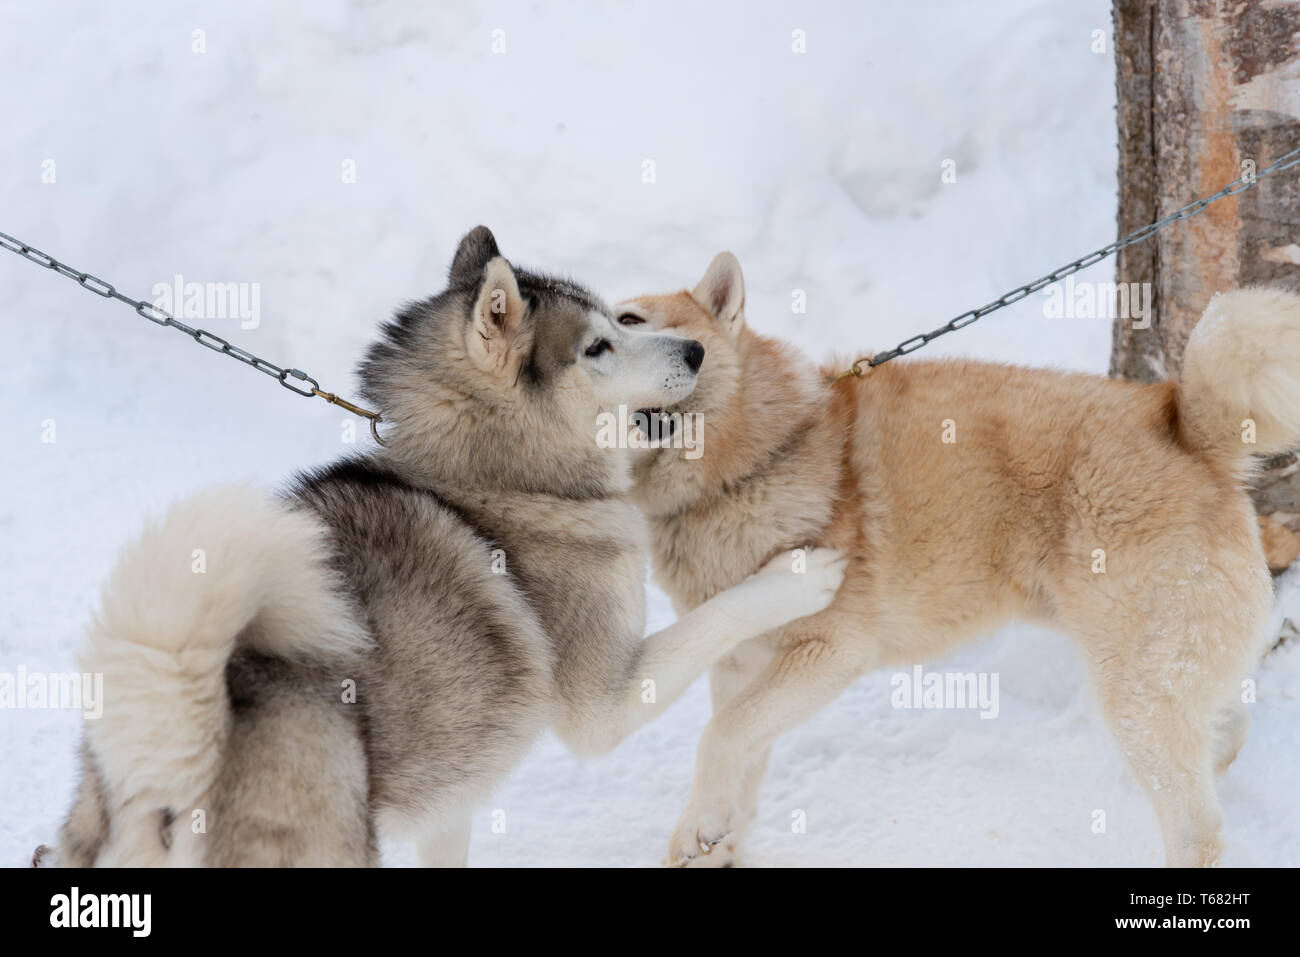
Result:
655,423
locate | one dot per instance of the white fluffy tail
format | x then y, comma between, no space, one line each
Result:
1239,392
226,567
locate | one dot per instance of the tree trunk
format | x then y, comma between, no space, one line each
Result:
1209,91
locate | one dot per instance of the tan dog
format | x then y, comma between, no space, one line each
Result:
967,494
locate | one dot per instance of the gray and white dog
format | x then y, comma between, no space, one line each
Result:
374,649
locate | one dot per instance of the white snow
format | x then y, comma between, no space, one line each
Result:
820,170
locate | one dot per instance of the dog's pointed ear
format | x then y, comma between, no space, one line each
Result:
722,293
477,248
497,338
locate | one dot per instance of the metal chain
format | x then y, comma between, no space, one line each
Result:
204,338
1286,161
151,312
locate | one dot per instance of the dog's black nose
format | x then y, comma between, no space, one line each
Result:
694,355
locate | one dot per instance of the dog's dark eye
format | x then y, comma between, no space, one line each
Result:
597,347
627,319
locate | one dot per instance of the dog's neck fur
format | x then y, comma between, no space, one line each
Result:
490,460
554,487
775,395
576,497
448,430
774,426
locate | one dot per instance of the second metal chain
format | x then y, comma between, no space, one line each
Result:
1285,161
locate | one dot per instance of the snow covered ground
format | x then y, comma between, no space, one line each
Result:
820,170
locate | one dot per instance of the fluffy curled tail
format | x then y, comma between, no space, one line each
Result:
228,568
1239,392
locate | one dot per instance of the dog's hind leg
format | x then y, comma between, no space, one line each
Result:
1230,732
1160,693
1166,660
293,788
1169,627
1167,741
86,828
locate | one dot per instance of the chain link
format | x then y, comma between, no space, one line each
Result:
212,341
1285,161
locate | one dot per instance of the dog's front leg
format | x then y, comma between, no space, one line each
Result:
730,677
817,659
445,840
668,661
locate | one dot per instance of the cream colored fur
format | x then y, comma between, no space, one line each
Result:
1048,475
165,633
1241,367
